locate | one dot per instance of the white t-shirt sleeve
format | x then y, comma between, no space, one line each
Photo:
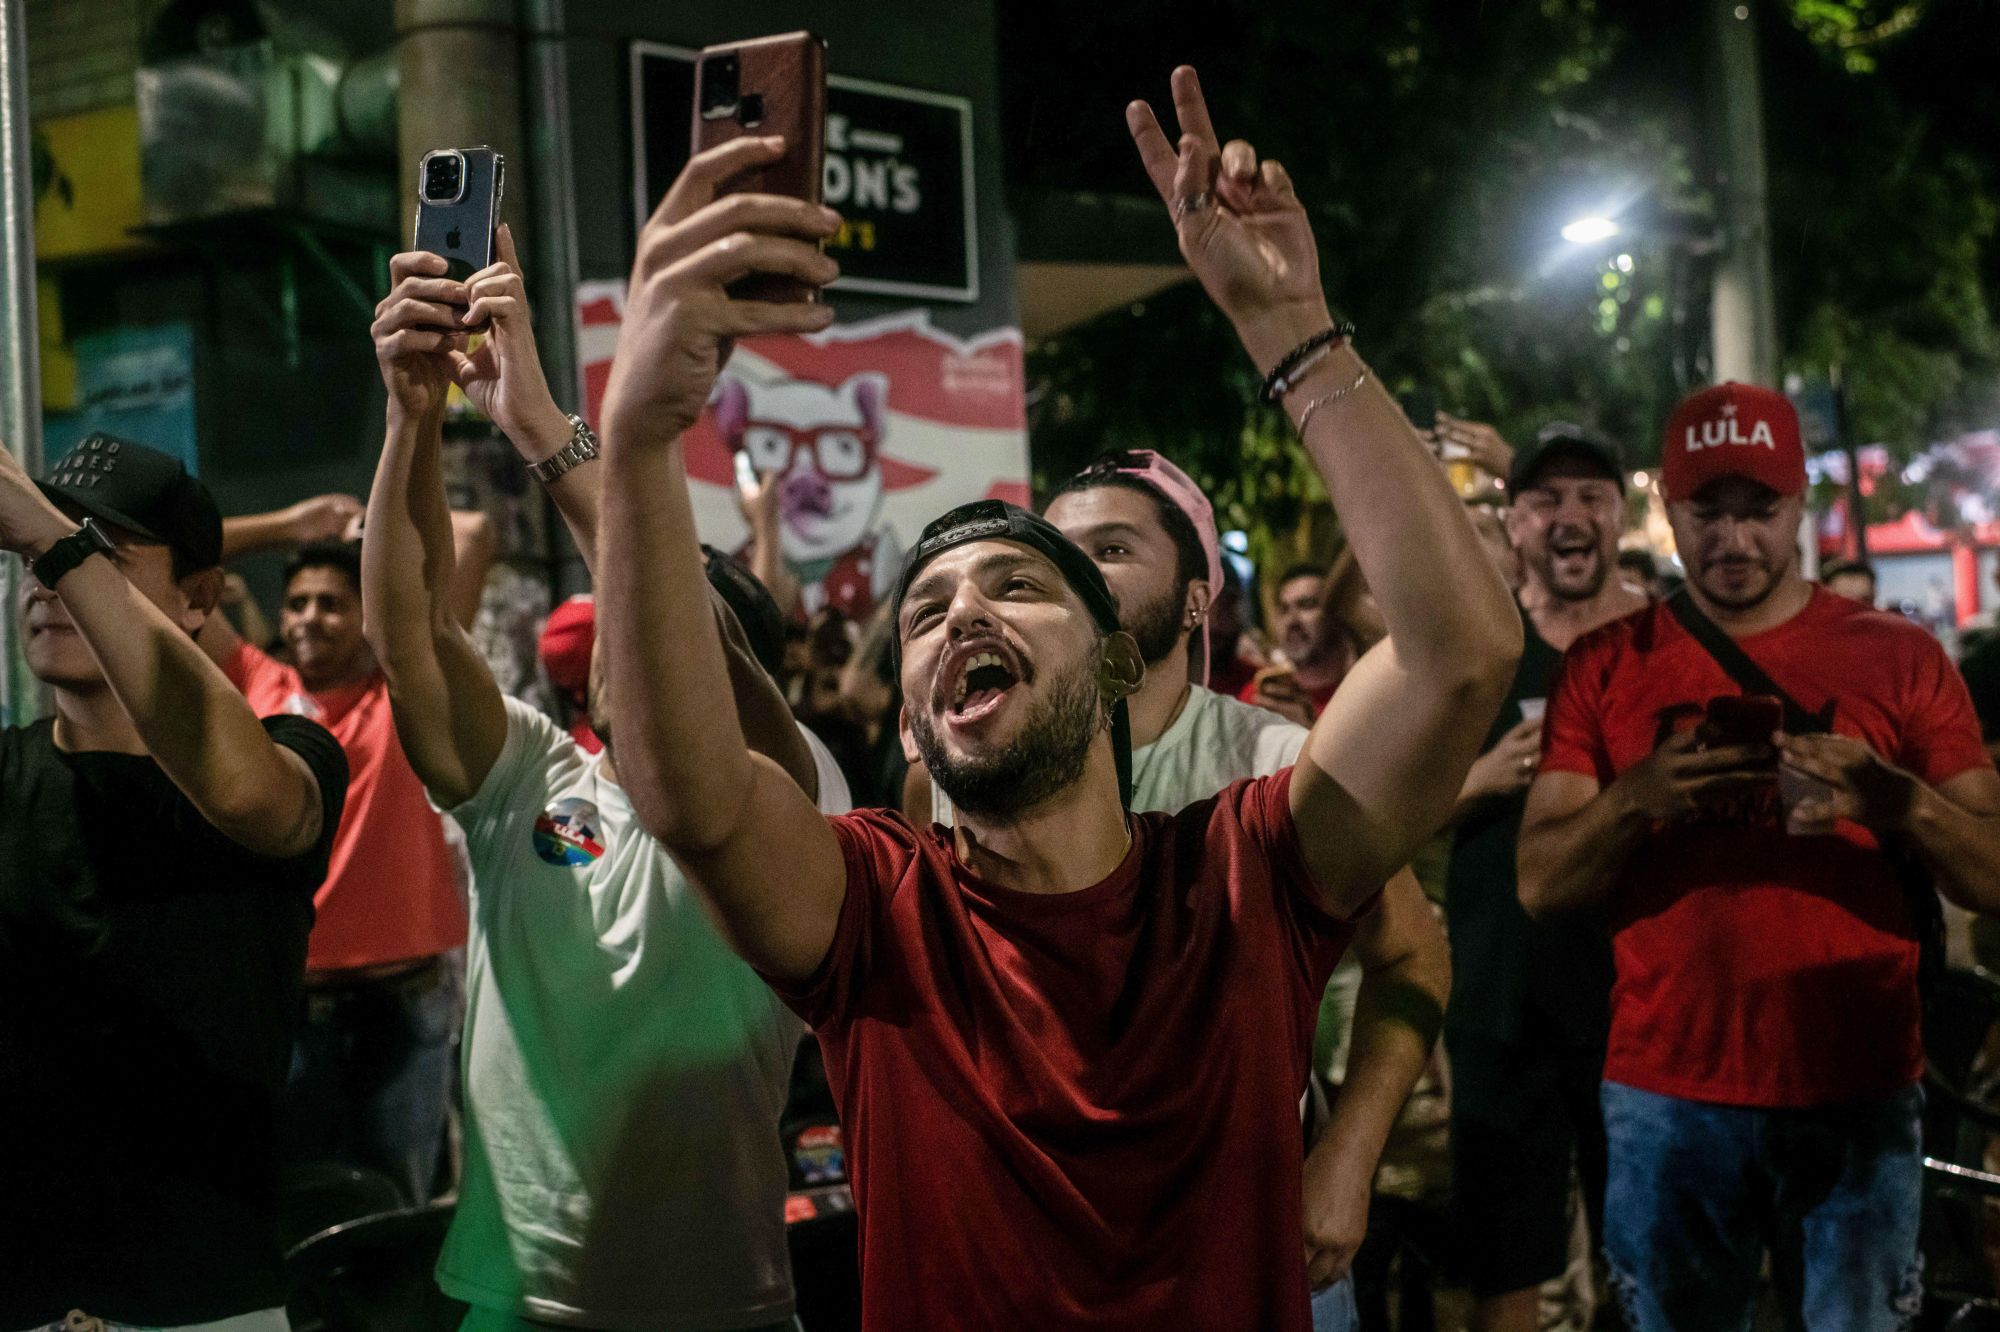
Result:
534,754
834,797
1278,747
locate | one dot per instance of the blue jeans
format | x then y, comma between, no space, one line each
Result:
1333,1307
1698,1191
371,1076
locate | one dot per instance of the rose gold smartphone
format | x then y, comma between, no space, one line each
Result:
768,85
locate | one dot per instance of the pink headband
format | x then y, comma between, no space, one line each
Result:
1179,490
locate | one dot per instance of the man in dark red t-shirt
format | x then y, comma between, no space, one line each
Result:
1067,1042
1762,1070
1316,648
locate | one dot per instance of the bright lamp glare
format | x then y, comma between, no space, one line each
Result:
1589,230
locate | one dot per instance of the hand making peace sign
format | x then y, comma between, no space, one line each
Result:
1242,229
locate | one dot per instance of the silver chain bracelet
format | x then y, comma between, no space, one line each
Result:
1331,395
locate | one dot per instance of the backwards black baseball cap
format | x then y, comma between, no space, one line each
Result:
1558,441
997,520
141,490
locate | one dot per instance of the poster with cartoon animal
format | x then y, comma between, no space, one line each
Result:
867,430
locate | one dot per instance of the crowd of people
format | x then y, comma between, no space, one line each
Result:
1064,866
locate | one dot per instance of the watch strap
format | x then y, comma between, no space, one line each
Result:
67,552
582,447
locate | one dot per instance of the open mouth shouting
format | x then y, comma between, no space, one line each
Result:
977,678
1572,553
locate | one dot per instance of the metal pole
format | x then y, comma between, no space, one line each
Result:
20,360
553,266
1743,313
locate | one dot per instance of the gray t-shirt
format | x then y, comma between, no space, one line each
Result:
624,1071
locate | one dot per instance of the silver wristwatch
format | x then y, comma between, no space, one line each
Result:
582,447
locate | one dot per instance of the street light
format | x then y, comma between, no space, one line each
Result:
1589,230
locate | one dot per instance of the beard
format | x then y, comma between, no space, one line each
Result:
1571,586
1048,755
1156,624
1753,591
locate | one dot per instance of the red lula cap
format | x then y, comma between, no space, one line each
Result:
1733,429
566,643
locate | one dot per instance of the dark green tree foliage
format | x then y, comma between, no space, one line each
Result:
1882,133
1442,145
1440,148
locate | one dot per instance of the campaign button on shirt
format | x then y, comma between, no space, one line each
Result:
819,1155
567,833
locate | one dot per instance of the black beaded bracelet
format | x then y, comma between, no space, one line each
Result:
1279,382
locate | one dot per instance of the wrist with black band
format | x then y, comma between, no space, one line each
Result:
66,553
1291,367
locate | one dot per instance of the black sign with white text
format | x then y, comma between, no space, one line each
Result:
898,169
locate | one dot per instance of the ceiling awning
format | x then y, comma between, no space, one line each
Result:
1056,297
1083,254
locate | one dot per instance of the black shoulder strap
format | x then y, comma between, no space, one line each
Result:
1737,665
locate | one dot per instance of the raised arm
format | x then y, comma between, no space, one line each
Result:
195,725
503,378
448,709
1364,797
758,502
473,546
750,839
331,517
321,518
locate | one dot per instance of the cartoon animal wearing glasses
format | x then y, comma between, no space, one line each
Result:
824,445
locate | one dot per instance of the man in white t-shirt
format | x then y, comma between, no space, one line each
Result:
1151,531
624,1071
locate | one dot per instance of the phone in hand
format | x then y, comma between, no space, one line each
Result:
760,87
747,480
1743,719
458,206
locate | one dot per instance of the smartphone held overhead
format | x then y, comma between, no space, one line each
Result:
458,206
767,87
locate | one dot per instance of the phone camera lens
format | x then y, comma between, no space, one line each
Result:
444,178
720,81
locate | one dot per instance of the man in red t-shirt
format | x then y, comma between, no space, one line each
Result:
1067,1043
1317,650
371,1070
1761,1076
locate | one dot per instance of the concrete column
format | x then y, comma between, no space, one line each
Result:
458,65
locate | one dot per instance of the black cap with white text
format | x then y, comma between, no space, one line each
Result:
146,492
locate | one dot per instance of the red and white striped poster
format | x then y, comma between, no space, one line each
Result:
872,429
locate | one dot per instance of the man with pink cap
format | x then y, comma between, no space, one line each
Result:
1767,894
